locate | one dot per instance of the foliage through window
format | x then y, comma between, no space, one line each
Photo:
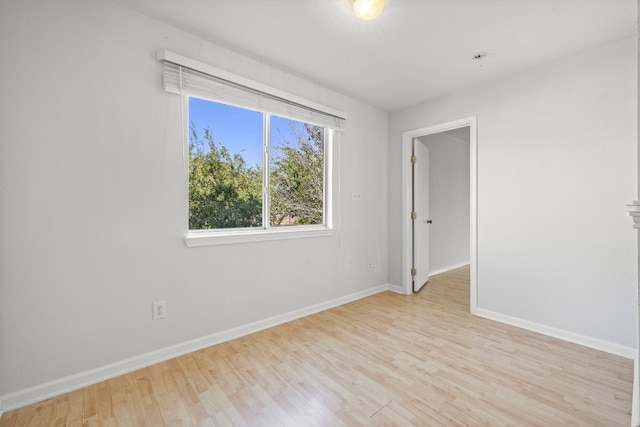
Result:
250,169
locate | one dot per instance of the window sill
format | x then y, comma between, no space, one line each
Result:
196,238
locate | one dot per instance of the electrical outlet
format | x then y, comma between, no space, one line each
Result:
356,196
159,310
370,265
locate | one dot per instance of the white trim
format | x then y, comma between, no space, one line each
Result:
594,343
176,58
449,268
196,238
395,288
73,382
407,138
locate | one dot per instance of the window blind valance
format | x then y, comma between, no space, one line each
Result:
188,77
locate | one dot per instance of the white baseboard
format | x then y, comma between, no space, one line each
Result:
597,344
73,382
449,268
394,288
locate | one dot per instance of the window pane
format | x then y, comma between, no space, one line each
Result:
225,166
297,173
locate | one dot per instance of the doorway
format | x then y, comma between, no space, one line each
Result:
408,143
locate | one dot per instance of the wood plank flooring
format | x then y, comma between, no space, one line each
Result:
387,360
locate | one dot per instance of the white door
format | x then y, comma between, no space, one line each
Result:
421,209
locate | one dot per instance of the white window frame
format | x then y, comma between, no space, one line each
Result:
197,238
222,236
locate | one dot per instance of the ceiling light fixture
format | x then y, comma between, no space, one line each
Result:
368,9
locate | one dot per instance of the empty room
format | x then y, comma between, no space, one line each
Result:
306,213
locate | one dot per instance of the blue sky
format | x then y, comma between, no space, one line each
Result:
238,129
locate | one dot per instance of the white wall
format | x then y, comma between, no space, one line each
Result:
93,199
448,199
556,167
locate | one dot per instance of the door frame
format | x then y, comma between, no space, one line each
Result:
407,138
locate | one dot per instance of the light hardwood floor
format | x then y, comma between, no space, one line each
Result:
385,360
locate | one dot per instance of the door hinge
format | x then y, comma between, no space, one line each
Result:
414,215
414,159
414,271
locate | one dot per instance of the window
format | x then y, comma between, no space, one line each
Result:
250,169
259,158
296,173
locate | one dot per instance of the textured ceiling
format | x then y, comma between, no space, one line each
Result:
415,51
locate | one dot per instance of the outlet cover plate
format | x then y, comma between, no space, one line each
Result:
159,310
